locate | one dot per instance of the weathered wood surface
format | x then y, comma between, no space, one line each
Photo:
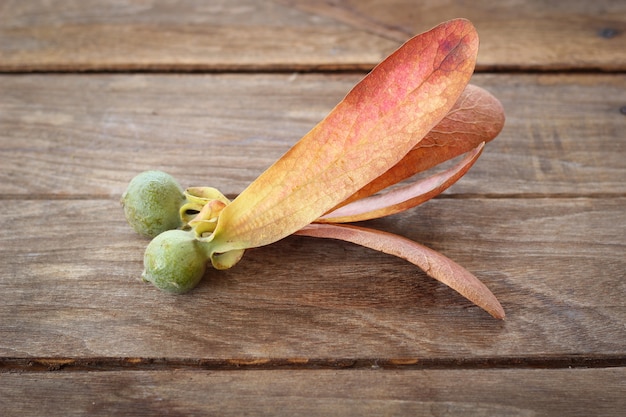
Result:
550,247
496,392
540,219
554,264
87,136
299,34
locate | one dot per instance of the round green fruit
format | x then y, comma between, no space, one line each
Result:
175,261
152,202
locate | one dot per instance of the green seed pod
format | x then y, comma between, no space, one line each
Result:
152,202
175,261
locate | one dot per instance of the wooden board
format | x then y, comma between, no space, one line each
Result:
214,92
74,269
495,392
88,136
299,35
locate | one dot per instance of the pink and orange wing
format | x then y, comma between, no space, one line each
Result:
369,131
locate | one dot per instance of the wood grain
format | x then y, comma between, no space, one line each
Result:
305,326
299,35
70,287
538,36
88,136
574,392
178,35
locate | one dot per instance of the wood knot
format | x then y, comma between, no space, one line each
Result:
608,33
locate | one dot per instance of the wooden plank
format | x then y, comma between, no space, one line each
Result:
503,392
70,288
182,35
297,34
533,35
66,135
540,219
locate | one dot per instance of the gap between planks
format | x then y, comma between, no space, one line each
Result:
451,196
56,364
321,69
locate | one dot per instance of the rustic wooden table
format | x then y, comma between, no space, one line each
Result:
92,93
